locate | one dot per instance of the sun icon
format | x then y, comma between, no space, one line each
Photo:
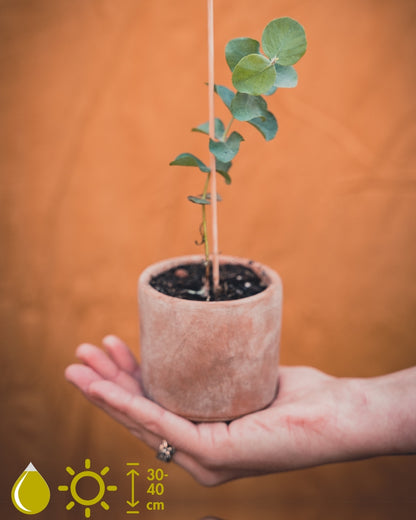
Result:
87,474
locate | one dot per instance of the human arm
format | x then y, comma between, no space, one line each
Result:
316,418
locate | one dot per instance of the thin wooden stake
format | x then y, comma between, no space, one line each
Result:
214,208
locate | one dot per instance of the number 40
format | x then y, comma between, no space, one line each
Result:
156,489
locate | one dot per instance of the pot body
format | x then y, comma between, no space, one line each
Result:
210,361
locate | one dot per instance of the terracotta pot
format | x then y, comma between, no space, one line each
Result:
210,361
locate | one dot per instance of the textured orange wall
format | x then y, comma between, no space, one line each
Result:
96,98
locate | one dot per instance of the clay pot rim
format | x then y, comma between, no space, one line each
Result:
267,273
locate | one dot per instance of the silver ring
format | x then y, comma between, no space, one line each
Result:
165,451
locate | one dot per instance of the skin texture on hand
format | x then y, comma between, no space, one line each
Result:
316,418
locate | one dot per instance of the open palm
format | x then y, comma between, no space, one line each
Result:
301,428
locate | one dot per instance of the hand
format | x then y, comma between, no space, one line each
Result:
315,419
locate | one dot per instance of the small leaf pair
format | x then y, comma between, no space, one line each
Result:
252,109
188,159
283,43
203,201
225,151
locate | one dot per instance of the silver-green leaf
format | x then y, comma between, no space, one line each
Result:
199,200
245,106
188,159
204,128
238,48
284,40
223,168
225,94
254,74
226,151
266,125
286,76
204,201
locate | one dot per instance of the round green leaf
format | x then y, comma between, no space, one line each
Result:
225,94
238,48
266,125
271,91
199,200
204,128
204,201
286,77
245,106
254,74
226,151
188,159
284,39
223,168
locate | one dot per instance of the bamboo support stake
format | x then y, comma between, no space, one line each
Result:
214,206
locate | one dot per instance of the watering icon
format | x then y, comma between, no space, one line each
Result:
30,493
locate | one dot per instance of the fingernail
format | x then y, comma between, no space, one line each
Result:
110,339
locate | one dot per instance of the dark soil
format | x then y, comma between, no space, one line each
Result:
188,282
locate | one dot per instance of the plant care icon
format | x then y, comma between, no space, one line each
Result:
30,493
85,476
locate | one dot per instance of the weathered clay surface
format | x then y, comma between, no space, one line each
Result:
210,361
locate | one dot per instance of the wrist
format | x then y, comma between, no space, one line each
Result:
384,421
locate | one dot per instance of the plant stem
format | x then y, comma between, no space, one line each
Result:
215,259
204,234
228,128
204,222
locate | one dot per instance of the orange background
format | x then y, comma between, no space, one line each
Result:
96,98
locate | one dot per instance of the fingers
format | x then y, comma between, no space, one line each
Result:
147,421
110,380
82,376
162,423
103,365
121,355
153,424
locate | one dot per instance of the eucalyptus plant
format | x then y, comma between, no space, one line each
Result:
256,72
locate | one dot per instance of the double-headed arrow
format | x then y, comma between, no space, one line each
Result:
132,503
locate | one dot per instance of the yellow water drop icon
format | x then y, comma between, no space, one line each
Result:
30,493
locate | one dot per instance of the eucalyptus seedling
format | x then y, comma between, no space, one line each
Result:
257,71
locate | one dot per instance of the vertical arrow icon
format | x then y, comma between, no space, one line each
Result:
132,474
